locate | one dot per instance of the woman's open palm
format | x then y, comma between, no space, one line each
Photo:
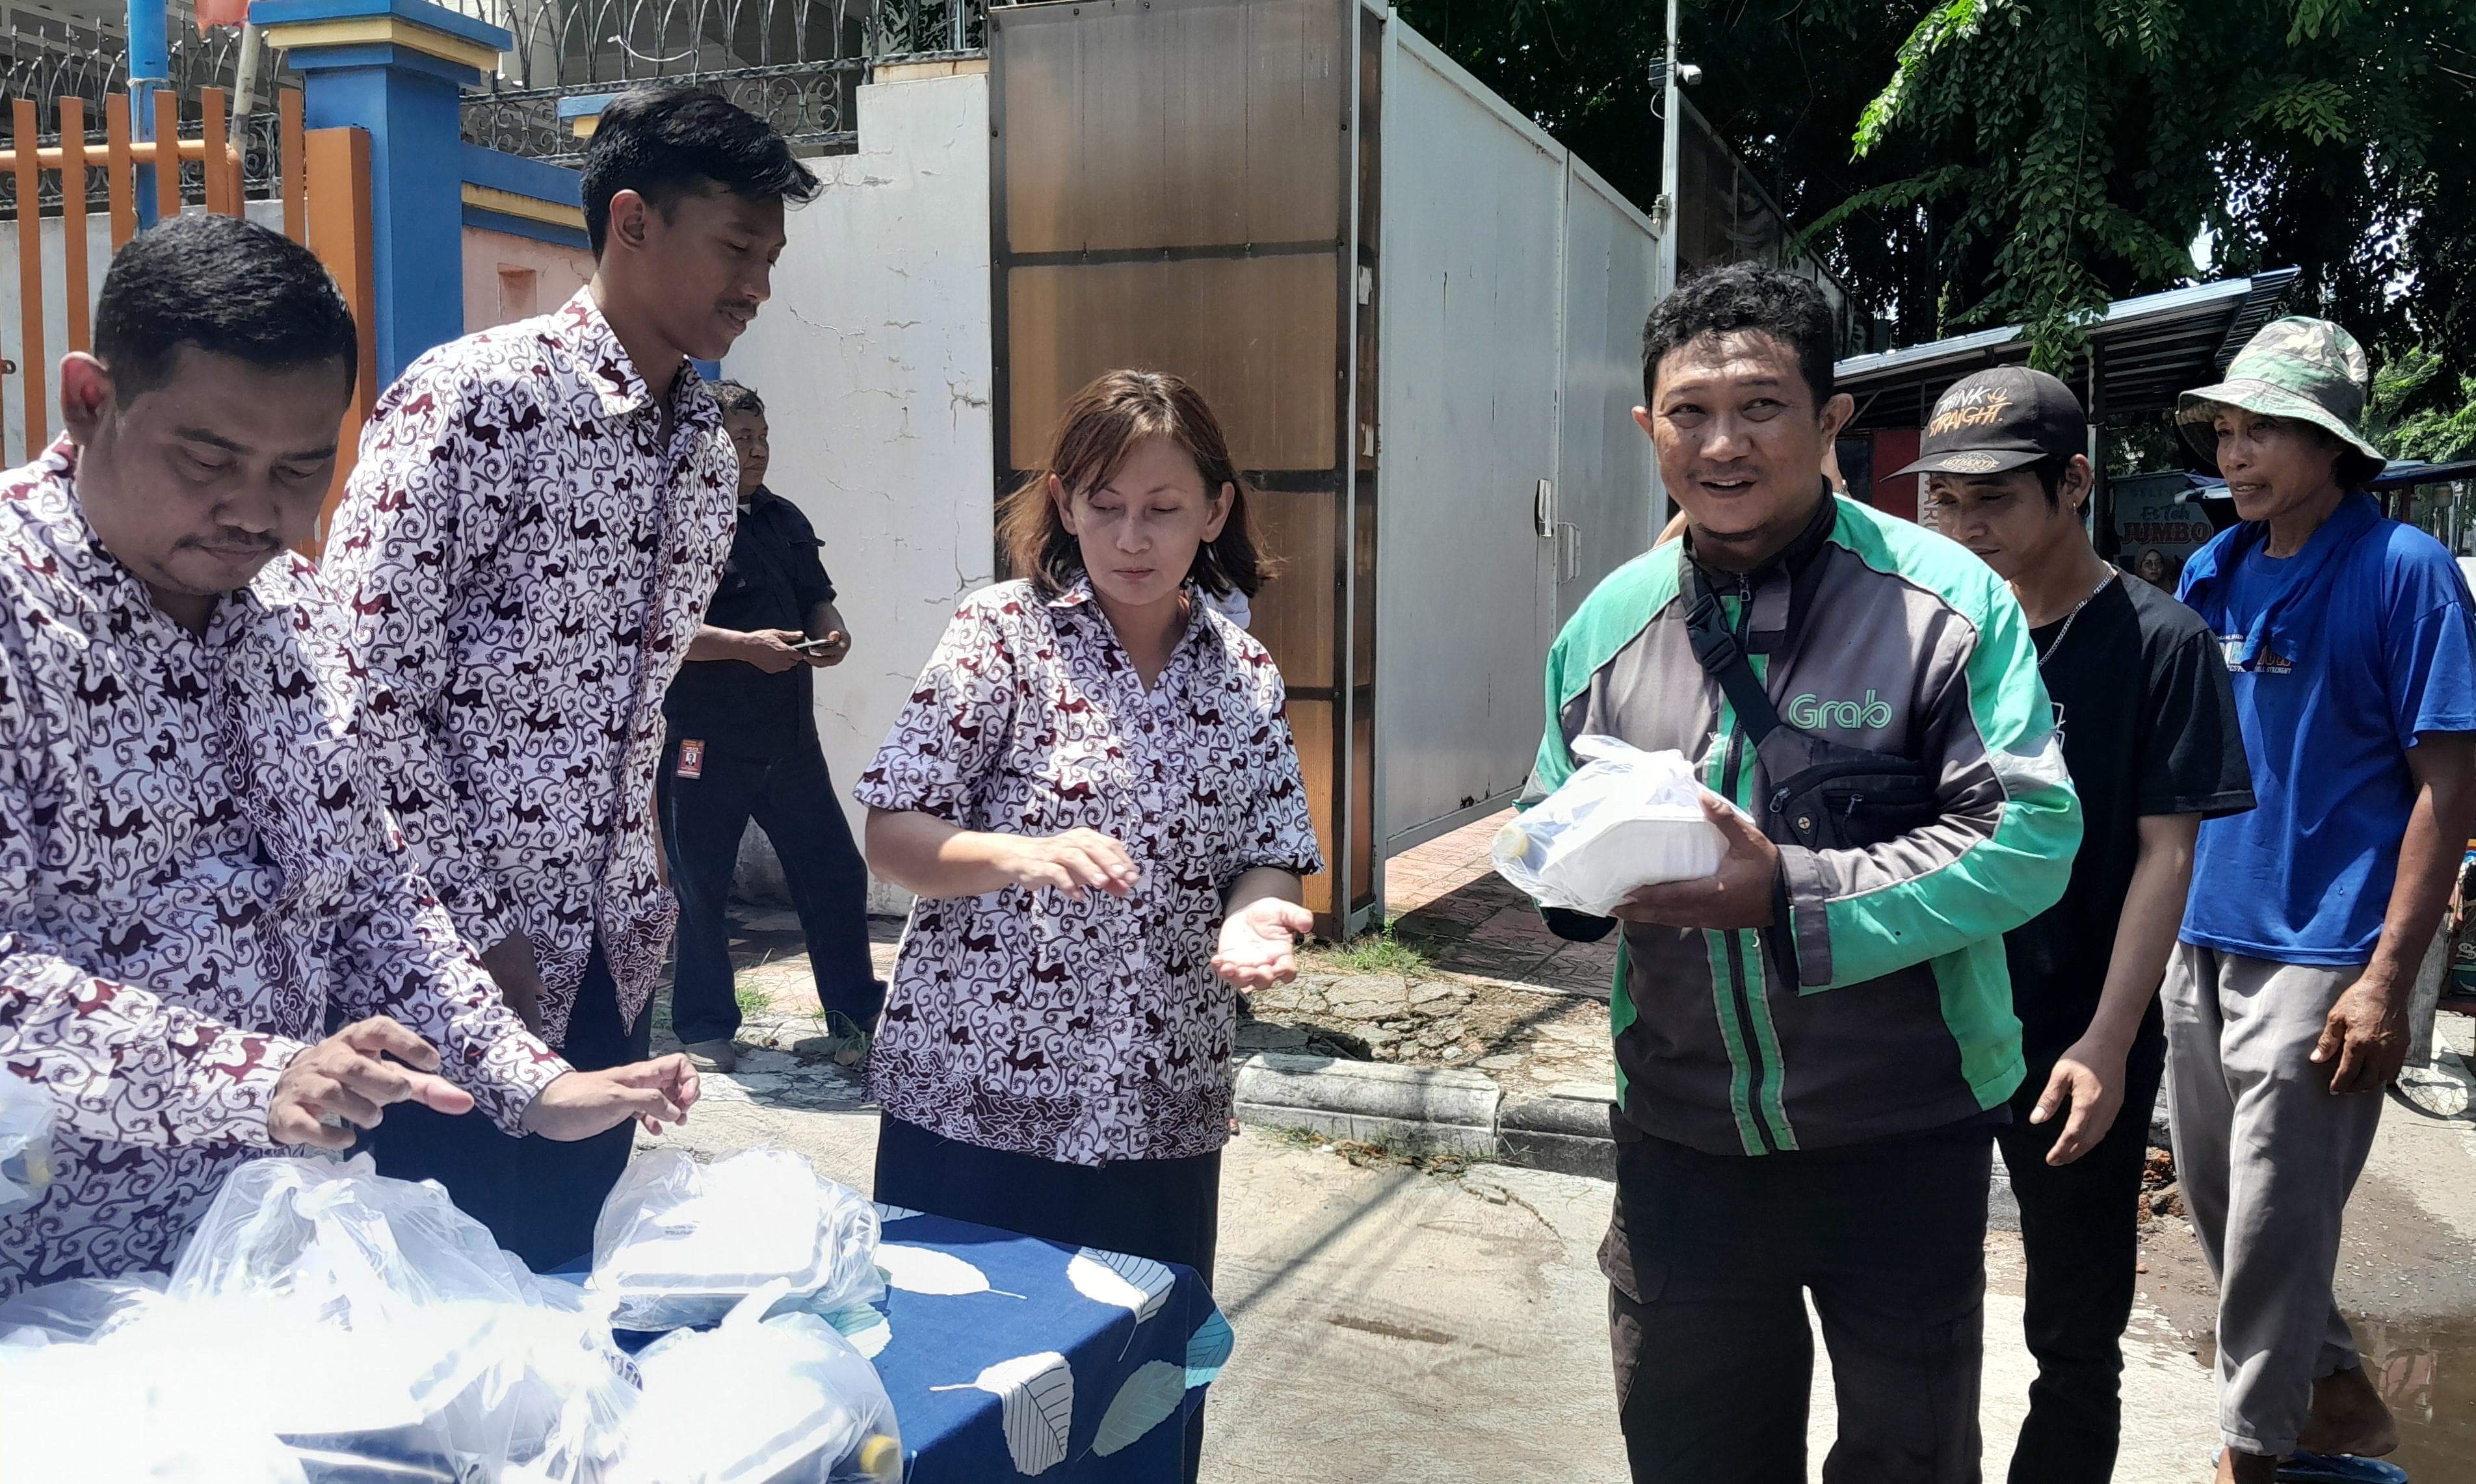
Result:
1259,943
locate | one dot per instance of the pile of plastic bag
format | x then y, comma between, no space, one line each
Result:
25,1145
328,1326
682,1243
1627,819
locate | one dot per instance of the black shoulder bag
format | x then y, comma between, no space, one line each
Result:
1825,794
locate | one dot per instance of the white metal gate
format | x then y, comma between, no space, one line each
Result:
1515,285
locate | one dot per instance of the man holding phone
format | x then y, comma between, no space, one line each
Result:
743,745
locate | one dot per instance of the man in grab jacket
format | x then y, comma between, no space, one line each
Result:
1815,1045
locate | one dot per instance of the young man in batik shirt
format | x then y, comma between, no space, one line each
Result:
539,518
197,874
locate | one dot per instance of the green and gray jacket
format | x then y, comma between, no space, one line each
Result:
1877,1004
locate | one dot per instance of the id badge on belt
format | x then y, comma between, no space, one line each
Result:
691,764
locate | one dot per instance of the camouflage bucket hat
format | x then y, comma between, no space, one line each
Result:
2307,369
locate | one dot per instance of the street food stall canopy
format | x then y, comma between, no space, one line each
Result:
2141,352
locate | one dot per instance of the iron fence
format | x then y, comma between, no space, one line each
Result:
46,60
796,63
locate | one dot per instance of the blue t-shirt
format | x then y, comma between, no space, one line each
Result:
2340,655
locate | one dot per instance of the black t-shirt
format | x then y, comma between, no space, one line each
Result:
772,579
2148,718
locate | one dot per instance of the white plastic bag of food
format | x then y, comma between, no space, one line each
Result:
385,1330
94,1413
25,1143
1627,819
76,1310
681,1244
786,1399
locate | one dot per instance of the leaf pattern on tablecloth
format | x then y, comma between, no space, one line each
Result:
867,1329
1208,1349
921,1270
1157,1390
1138,1285
1038,1396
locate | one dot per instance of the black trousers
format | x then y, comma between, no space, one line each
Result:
1165,1209
791,798
538,1198
2080,1228
1710,1259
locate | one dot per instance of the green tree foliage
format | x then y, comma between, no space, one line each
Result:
1967,163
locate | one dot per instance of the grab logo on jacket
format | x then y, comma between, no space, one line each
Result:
1810,711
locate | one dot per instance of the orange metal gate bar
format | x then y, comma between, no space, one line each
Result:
73,263
30,365
338,169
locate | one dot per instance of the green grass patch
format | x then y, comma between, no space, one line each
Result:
752,999
1381,951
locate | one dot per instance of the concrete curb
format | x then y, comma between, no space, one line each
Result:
1422,1109
1447,1110
1429,1110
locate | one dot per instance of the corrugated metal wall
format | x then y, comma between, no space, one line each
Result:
1514,288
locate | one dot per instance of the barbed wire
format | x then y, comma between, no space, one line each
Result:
796,63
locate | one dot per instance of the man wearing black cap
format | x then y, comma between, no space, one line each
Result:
2151,736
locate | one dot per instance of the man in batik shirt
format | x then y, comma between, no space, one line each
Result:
537,521
196,877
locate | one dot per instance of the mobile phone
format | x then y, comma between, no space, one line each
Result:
813,646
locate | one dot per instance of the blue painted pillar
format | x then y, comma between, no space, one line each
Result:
394,69
150,66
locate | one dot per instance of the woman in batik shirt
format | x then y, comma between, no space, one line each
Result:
1095,795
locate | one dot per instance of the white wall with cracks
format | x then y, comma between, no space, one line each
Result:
873,361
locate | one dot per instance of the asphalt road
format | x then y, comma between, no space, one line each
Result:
1396,1324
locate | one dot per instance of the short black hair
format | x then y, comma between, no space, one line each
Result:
225,286
2050,471
668,143
1745,296
733,399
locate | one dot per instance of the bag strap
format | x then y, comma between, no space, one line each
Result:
1722,654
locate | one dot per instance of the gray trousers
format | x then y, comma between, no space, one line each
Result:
2266,1157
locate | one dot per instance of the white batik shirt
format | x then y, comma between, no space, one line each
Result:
1092,1030
196,870
528,561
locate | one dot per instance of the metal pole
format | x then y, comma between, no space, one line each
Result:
1671,124
150,66
244,84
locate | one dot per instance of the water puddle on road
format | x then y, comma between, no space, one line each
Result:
2426,1369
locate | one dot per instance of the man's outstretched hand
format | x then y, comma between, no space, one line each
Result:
347,1080
580,1105
1738,895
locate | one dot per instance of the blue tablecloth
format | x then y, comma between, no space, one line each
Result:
1012,1356
1009,1357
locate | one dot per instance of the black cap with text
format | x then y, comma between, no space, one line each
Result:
2004,418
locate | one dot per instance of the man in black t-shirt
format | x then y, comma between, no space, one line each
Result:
743,745
2148,721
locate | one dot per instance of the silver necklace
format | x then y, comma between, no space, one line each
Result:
2065,632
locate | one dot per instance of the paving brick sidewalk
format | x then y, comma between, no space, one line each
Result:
1467,977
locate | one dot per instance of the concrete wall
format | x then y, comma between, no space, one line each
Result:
874,360
508,278
56,314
